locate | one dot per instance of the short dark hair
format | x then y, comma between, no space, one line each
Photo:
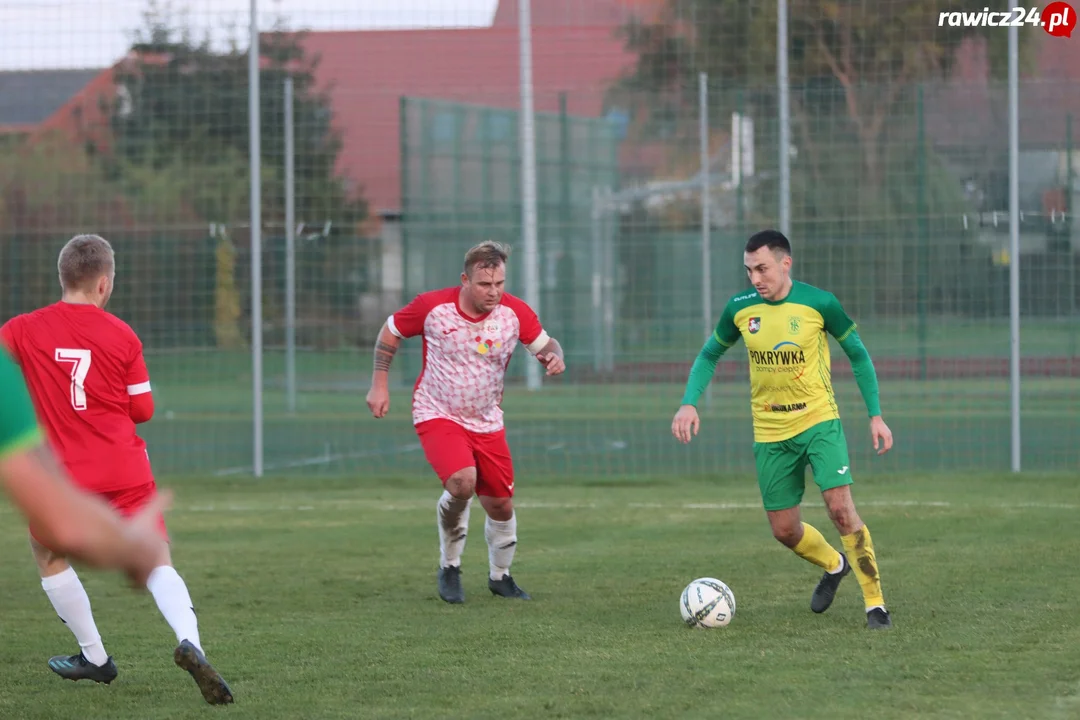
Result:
83,260
488,254
772,239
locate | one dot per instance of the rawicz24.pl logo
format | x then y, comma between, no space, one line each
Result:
1057,18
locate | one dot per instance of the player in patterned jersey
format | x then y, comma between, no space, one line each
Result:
469,333
81,525
87,376
796,420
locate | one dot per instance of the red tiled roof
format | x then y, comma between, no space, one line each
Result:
85,115
561,13
368,72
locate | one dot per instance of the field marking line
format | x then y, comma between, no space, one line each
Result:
324,459
330,457
346,504
414,506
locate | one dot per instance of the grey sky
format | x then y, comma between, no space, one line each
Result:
39,34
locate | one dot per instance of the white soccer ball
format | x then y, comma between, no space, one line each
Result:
707,603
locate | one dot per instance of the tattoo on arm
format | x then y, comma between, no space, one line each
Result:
384,355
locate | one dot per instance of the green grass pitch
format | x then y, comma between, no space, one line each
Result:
316,598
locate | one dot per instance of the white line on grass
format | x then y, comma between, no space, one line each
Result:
325,459
328,457
350,504
357,504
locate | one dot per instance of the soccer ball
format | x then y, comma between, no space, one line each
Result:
707,603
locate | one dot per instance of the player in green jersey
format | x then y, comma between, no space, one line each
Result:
71,521
796,420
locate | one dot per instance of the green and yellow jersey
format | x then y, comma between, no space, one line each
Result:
19,429
790,366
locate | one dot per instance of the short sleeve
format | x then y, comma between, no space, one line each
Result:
531,332
837,322
727,332
18,423
9,336
409,321
138,376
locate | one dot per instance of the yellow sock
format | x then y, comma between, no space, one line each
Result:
816,549
859,549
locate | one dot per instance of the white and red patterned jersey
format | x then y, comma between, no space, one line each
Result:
465,358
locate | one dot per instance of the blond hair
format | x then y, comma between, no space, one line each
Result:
488,254
83,260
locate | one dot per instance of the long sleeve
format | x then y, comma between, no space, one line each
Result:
863,368
701,372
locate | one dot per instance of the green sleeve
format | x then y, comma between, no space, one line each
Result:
863,368
701,372
18,423
837,322
843,328
727,332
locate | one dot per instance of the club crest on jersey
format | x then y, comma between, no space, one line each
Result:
491,327
754,325
484,346
794,323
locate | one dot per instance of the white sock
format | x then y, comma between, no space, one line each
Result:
69,599
876,607
172,598
453,516
501,536
843,564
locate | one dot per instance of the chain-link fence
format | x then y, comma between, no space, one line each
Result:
407,151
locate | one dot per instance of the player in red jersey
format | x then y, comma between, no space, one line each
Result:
88,380
68,517
469,333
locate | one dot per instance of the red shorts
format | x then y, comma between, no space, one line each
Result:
129,501
450,447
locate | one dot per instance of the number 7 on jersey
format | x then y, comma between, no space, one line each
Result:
80,367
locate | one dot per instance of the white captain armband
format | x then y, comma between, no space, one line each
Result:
139,389
538,344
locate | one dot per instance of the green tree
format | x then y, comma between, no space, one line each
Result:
181,129
852,59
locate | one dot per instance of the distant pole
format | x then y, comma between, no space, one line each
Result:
1014,245
290,249
924,230
255,157
738,138
706,191
1069,226
785,115
528,178
597,258
561,307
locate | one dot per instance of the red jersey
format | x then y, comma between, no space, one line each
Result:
465,358
87,376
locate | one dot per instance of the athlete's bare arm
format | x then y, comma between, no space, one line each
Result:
551,357
79,525
378,397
